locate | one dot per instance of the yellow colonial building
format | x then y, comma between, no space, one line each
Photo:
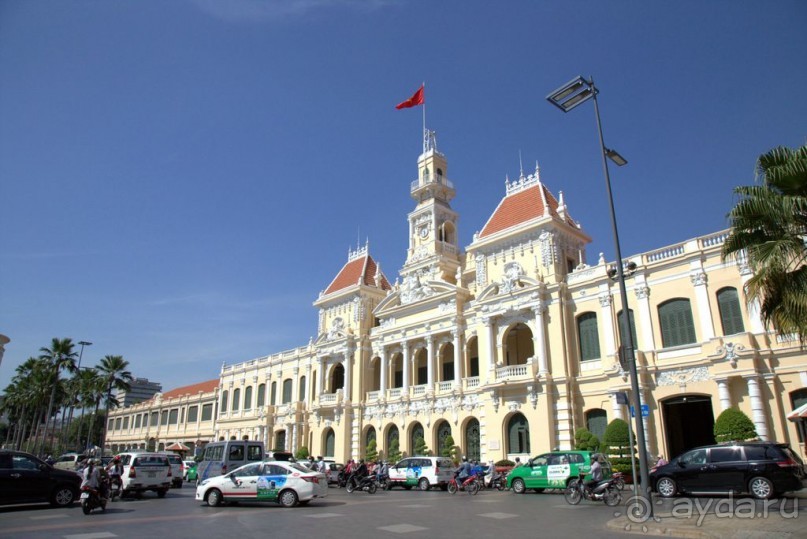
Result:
511,343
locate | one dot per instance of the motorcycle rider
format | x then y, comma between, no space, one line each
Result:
464,471
381,470
595,471
358,473
94,478
115,471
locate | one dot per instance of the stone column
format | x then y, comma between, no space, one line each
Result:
457,357
757,406
321,377
723,393
646,339
430,363
348,368
406,361
698,279
539,339
383,378
295,384
491,344
607,316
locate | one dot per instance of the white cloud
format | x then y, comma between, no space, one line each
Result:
270,10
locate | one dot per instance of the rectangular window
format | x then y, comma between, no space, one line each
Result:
111,425
155,418
193,413
173,416
126,423
138,419
207,412
255,452
117,423
164,418
589,337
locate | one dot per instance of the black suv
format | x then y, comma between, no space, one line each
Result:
763,469
25,479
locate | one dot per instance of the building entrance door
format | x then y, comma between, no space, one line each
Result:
688,422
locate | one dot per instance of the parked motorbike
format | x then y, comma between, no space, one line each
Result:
91,499
496,480
469,484
367,484
605,491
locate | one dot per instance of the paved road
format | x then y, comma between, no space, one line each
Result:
393,515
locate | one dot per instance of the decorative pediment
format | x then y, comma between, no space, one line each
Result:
415,292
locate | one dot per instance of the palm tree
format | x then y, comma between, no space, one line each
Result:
93,388
768,228
113,369
59,356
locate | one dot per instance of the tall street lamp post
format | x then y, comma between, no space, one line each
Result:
75,393
567,97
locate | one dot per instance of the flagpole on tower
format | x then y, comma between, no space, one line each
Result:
425,133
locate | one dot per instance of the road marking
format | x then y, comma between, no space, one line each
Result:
324,515
498,515
47,517
416,506
402,528
98,535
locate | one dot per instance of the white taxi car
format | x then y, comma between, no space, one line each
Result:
286,483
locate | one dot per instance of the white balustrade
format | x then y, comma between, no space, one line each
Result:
511,371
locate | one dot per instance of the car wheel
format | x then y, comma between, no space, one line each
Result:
287,498
62,496
761,488
161,492
213,497
666,487
424,484
519,487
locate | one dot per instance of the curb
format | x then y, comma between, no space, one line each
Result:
623,525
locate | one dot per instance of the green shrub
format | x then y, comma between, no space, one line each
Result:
371,454
505,462
616,442
734,425
301,453
394,451
585,440
449,450
420,446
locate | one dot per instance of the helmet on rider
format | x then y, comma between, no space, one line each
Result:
116,459
464,458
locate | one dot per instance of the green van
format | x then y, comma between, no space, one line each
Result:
553,470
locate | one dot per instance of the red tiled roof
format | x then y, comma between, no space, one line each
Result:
521,207
204,387
363,268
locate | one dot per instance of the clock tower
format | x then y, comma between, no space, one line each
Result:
433,243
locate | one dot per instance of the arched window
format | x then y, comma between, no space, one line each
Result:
596,421
370,436
472,349
421,367
620,317
675,319
286,390
280,440
248,398
472,440
731,316
225,398
589,336
236,399
518,435
330,443
518,345
337,378
397,370
301,392
417,432
392,436
261,394
443,432
273,394
447,363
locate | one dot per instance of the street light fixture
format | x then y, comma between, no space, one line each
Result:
570,95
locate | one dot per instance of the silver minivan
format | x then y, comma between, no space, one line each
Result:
225,456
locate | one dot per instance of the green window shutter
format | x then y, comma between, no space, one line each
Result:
677,327
731,316
589,337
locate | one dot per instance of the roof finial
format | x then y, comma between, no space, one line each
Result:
537,170
520,165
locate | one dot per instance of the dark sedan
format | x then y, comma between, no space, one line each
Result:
27,479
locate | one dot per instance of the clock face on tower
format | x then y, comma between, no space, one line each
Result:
424,232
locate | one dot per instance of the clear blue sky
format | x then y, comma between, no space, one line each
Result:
179,179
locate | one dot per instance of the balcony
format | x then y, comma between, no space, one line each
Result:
472,382
434,179
513,372
373,396
419,391
330,399
445,387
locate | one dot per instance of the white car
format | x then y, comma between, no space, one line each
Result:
421,472
286,483
145,471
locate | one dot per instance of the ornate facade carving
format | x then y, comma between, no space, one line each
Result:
682,377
